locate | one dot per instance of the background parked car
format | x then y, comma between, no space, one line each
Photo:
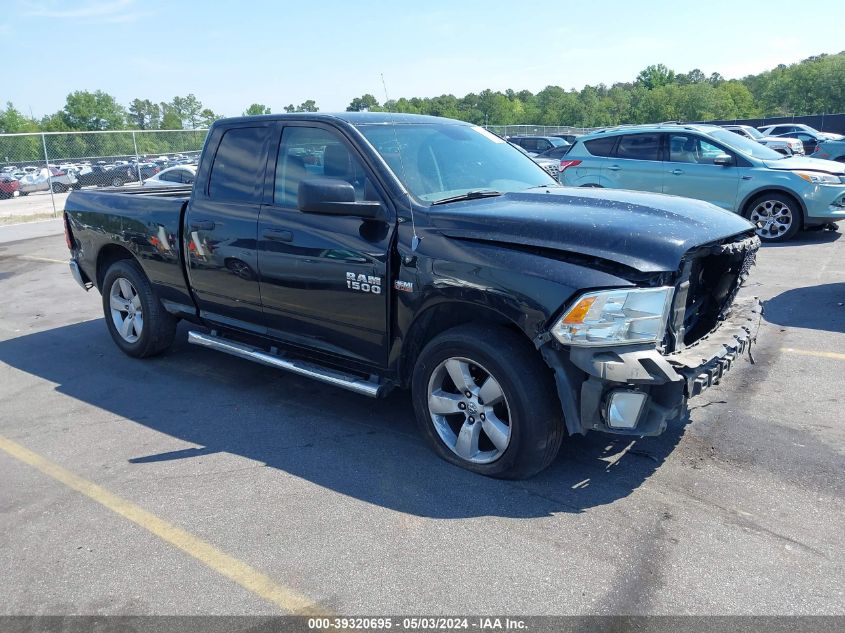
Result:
781,144
783,129
41,181
116,175
830,150
810,140
779,194
178,176
569,138
537,144
9,187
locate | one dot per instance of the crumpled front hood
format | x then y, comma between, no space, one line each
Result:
645,231
807,163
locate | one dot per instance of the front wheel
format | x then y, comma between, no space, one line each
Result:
485,401
59,187
776,217
138,323
116,182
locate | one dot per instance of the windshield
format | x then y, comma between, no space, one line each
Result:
745,145
753,132
439,161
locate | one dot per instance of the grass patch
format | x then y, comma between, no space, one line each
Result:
33,217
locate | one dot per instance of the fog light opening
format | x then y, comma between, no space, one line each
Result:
624,408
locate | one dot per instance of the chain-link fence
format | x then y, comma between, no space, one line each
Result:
53,163
537,130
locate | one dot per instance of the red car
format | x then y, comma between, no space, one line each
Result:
9,187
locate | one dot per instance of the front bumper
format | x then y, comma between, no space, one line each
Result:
666,380
825,203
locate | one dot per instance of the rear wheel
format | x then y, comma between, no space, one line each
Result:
59,187
138,323
485,401
776,216
116,182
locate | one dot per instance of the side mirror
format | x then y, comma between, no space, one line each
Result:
724,160
332,196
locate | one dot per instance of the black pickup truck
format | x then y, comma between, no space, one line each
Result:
373,251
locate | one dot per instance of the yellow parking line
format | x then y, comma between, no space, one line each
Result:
809,352
33,258
246,576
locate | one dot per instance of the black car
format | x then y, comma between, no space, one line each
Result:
555,152
537,144
516,311
116,176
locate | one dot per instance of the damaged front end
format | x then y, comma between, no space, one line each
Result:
637,388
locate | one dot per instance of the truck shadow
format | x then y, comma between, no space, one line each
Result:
812,307
369,450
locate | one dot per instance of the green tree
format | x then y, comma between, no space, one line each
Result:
305,106
93,111
208,116
144,114
12,120
257,108
364,103
655,76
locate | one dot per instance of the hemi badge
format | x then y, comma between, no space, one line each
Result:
404,286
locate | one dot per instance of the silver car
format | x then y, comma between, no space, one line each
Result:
178,176
782,145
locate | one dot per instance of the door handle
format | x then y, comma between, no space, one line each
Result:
614,168
677,172
278,235
202,225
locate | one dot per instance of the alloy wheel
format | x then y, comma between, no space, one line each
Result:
773,218
126,311
469,410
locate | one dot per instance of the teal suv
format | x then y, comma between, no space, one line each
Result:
780,195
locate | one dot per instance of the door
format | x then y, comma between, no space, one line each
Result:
690,171
324,279
221,225
637,164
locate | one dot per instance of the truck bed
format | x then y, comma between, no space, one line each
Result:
145,221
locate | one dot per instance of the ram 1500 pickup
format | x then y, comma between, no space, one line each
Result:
373,251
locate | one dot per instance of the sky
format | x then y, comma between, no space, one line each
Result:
234,53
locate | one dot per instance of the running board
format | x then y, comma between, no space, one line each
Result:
299,367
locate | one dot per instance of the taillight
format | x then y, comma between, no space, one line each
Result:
59,173
68,233
564,164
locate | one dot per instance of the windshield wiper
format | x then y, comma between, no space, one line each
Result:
469,195
549,186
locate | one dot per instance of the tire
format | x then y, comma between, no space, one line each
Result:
519,434
59,187
126,286
24,193
116,182
777,217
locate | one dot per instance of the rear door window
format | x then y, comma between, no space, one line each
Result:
639,147
237,173
601,146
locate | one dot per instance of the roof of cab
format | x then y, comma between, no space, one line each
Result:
352,118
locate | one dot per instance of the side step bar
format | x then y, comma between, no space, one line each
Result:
299,367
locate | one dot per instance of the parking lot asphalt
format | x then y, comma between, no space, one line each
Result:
282,492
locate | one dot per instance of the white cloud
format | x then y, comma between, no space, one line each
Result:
89,11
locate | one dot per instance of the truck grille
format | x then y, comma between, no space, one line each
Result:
709,280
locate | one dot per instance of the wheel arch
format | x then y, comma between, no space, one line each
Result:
108,255
745,205
444,316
